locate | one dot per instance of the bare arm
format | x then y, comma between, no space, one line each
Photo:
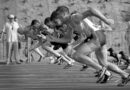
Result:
96,13
60,40
66,39
75,43
35,46
38,44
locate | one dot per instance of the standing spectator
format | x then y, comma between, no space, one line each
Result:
10,29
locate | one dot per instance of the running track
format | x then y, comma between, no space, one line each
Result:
44,76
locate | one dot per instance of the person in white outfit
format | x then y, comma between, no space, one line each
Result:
10,29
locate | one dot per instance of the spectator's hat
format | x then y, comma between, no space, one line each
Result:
11,16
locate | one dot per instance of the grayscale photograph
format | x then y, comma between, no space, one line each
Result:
64,44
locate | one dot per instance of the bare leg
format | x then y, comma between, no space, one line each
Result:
63,52
49,49
101,54
9,50
40,53
81,55
16,52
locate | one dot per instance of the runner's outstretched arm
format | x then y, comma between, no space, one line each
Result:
96,13
66,39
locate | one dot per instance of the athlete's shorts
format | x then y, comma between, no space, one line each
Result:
91,47
101,37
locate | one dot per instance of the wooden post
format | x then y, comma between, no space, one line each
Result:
28,46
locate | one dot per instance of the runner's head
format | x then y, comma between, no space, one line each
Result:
57,18
35,23
49,23
63,9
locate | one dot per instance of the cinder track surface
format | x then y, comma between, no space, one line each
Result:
44,76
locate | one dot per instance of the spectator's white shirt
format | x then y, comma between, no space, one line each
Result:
11,31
